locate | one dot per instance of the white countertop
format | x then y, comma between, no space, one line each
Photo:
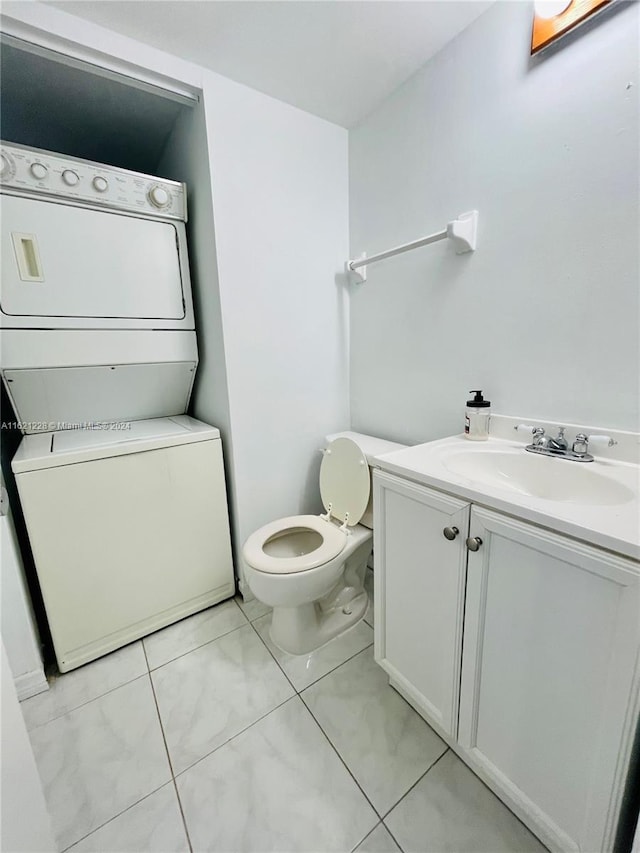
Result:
613,526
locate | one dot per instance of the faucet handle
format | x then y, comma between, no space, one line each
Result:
582,442
527,428
602,440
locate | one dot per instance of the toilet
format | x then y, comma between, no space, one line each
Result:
310,568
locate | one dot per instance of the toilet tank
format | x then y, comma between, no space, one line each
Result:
371,447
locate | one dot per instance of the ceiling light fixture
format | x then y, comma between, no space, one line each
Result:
553,18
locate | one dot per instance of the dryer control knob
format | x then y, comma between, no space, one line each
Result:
100,185
7,167
70,178
39,171
159,197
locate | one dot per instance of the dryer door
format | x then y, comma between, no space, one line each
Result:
60,261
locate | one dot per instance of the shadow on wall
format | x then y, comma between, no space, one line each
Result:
10,439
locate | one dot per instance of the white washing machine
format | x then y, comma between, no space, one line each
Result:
129,530
123,494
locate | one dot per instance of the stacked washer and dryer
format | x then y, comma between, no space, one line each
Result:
123,494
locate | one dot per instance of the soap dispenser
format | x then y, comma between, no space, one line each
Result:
476,417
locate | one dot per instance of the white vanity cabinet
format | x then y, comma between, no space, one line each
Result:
549,689
419,593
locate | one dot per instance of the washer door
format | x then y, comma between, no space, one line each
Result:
345,481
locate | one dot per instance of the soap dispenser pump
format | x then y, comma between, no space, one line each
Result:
476,417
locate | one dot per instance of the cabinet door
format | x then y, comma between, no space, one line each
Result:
419,594
549,697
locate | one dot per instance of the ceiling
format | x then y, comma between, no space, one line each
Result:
337,59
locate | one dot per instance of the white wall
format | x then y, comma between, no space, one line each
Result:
544,316
280,197
25,824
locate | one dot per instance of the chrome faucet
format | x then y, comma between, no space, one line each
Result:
559,443
558,447
541,441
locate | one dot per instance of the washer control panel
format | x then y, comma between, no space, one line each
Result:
42,172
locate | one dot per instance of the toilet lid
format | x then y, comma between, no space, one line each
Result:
345,482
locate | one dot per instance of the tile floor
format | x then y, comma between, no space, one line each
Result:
205,737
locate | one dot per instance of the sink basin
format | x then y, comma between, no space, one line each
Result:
538,476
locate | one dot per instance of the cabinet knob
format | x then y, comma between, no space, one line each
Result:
474,543
450,533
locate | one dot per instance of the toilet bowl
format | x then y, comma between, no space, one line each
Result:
310,569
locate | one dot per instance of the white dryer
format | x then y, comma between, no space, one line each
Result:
95,307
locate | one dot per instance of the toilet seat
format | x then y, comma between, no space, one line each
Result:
333,541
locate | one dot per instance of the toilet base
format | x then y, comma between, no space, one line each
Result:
302,629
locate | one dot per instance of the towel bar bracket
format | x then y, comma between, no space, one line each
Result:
463,232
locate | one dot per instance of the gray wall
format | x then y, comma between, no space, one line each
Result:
545,315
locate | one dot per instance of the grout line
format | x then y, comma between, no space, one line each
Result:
184,820
195,648
324,674
377,826
344,763
144,652
234,736
392,835
247,617
346,660
278,664
164,737
353,849
238,606
408,791
140,675
83,704
173,775
137,802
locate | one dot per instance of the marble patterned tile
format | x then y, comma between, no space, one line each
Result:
303,670
368,585
451,811
382,740
100,759
278,786
192,632
253,609
378,841
214,692
72,689
154,825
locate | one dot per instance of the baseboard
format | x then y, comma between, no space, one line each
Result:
245,592
30,684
